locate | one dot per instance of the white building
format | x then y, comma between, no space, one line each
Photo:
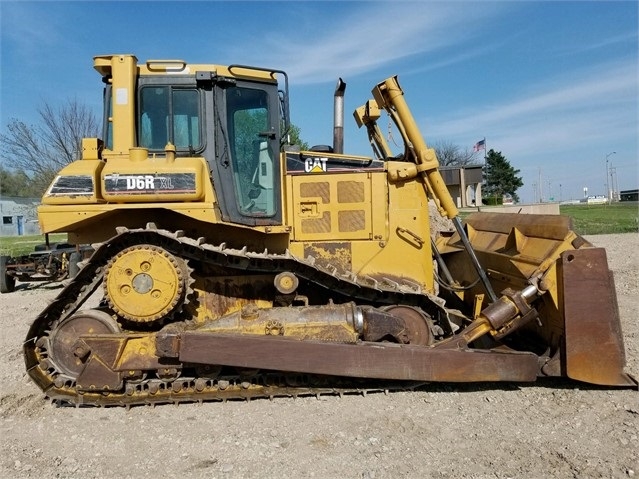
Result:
19,216
464,184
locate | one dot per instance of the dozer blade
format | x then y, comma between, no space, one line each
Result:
593,339
579,294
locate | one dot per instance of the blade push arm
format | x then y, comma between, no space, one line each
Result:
389,96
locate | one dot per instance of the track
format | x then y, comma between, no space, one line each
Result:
195,385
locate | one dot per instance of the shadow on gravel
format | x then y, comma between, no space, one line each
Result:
363,388
546,383
45,285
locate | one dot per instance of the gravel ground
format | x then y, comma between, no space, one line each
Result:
553,428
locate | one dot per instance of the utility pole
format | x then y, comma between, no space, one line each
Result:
613,182
607,184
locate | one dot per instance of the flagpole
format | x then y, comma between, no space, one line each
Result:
485,150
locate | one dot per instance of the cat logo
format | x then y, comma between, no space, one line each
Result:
315,165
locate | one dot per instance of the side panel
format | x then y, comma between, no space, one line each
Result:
335,207
154,180
356,221
77,183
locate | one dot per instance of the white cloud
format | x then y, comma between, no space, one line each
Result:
604,42
560,115
560,130
368,36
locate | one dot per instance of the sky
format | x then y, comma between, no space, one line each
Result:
552,85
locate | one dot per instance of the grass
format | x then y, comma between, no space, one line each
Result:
620,217
21,245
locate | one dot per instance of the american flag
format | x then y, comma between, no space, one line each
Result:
480,145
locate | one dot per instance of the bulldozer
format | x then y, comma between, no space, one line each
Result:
231,264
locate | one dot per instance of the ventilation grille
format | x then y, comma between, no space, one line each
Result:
316,190
350,192
319,225
353,220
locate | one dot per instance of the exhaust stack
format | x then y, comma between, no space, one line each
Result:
338,117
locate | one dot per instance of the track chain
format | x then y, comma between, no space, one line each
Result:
61,388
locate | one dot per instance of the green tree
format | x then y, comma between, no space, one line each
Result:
500,177
17,183
295,138
39,151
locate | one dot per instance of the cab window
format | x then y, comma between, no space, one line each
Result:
169,114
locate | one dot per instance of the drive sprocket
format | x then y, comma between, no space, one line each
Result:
144,283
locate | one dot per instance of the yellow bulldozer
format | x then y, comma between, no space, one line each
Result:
230,264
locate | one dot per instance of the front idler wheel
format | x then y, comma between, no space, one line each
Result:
63,349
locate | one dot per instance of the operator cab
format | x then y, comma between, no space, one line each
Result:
231,116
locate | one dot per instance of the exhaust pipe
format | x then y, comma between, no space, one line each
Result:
338,117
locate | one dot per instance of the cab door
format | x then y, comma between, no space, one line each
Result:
247,153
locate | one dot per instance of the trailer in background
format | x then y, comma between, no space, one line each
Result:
54,262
